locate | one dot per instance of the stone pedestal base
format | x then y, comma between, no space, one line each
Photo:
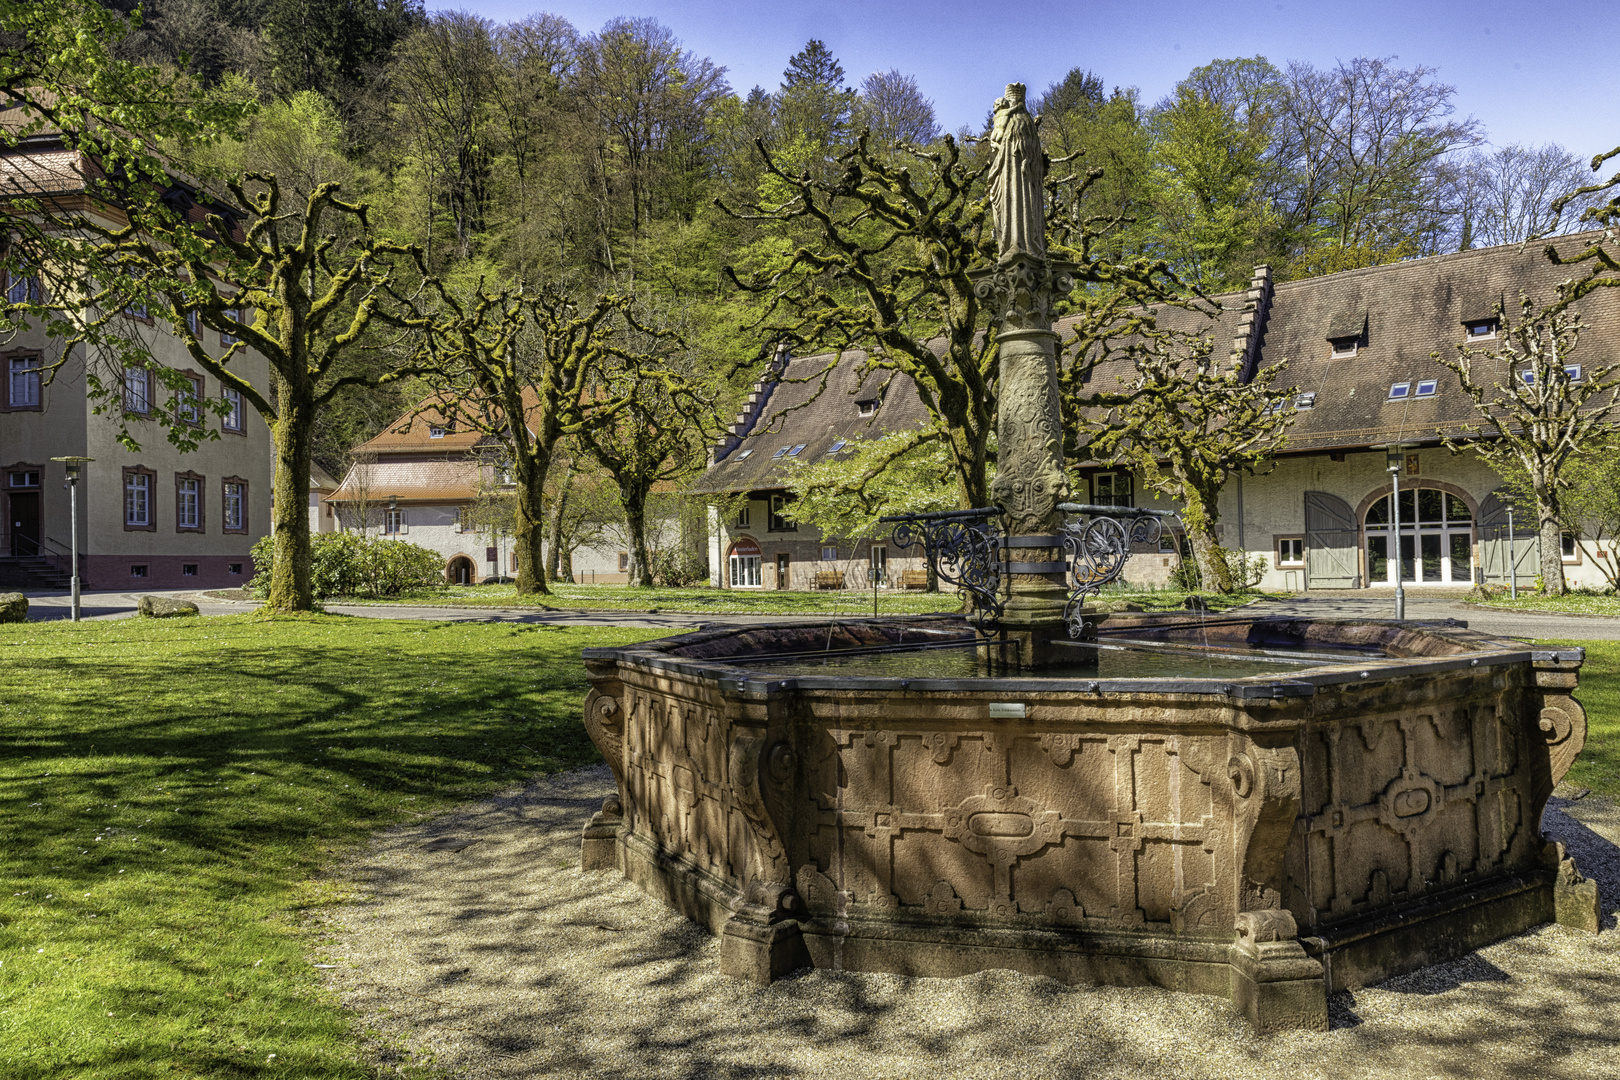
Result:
599,849
1274,983
1575,898
761,954
1032,646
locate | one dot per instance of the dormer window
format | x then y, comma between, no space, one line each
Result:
435,432
1345,346
868,407
1305,401
1479,329
1400,391
1427,387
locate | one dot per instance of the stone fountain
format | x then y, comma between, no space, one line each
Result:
1267,810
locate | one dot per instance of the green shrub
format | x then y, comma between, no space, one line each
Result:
349,564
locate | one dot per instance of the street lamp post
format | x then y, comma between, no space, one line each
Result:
74,465
1513,557
1394,460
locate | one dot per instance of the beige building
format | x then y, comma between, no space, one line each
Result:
155,517
1359,346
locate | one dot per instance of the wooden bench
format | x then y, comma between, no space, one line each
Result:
914,579
829,579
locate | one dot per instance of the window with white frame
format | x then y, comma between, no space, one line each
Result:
1291,551
1480,328
138,499
28,478
743,517
1345,346
1400,391
745,571
235,515
240,315
1567,549
1427,387
23,287
190,411
435,432
194,323
23,389
829,554
187,503
393,521
137,390
232,421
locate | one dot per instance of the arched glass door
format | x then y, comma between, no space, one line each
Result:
1436,543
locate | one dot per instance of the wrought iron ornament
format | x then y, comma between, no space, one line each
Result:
963,548
1097,545
968,549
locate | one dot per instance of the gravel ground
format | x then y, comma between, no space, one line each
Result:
499,959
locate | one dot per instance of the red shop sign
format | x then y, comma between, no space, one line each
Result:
745,546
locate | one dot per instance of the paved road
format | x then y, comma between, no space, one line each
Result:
44,606
1359,604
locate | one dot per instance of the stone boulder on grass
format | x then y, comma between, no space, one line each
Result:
13,607
166,607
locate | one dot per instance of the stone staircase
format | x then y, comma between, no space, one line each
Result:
31,573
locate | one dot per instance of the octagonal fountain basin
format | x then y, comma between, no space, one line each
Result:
1263,809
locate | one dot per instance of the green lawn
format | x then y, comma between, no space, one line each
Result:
169,790
1598,767
1569,604
734,601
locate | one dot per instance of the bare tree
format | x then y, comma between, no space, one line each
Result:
1367,139
1509,195
1541,406
894,110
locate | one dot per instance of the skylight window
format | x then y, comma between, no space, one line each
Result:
744,454
1427,387
781,452
1400,391
837,446
1574,372
1305,401
797,450
1528,376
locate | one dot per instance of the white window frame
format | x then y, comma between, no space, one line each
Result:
137,390
1340,350
1113,485
233,506
744,517
394,523
1487,333
191,401
746,571
232,421
187,503
23,288
1290,551
25,381
138,500
1432,384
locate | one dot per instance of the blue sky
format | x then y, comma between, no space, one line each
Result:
1518,67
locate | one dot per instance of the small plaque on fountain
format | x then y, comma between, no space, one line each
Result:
1007,710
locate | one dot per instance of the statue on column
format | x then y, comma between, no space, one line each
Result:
1017,179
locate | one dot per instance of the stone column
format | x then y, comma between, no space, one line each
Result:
1030,480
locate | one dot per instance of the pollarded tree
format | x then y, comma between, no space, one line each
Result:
879,256
1600,258
529,369
1542,406
302,286
1189,425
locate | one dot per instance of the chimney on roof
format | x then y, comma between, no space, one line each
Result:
1251,327
755,405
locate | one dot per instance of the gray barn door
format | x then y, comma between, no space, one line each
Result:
1330,543
1496,547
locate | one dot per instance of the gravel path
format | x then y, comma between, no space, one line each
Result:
500,959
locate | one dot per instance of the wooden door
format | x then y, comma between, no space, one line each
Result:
25,523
